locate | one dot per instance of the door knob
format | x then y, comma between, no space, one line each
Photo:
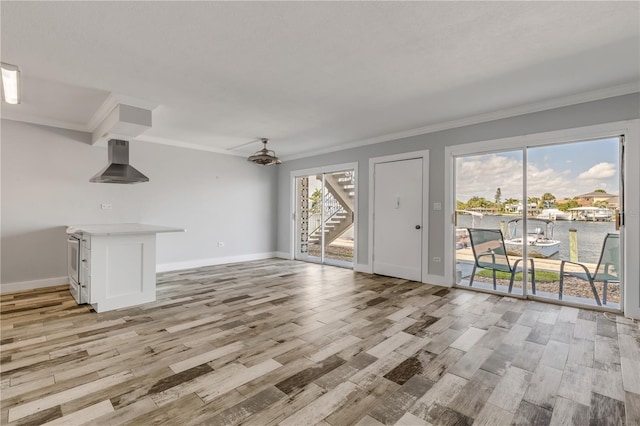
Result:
418,226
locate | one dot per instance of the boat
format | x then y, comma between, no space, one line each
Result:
594,214
539,238
554,214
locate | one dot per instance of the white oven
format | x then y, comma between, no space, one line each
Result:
73,266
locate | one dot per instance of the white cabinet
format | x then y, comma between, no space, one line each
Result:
118,271
85,269
118,264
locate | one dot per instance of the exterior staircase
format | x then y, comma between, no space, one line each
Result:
339,207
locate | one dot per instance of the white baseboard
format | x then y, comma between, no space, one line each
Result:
30,285
363,267
438,280
198,263
427,279
190,264
284,255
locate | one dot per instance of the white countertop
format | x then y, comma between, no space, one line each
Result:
121,229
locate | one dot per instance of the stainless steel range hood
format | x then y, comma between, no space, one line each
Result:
119,170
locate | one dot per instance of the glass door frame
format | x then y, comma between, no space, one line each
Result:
630,130
294,244
525,276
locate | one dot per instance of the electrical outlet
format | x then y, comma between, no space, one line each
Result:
220,243
105,206
436,259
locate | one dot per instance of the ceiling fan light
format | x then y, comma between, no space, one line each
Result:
10,83
265,157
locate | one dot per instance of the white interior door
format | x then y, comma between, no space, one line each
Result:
397,228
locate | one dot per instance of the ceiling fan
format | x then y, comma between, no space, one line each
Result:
265,157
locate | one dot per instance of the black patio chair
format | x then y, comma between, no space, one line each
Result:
607,270
489,252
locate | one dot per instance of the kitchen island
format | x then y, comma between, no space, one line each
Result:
116,264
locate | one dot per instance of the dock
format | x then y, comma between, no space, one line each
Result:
541,264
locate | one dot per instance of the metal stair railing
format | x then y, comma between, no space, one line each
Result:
332,207
342,186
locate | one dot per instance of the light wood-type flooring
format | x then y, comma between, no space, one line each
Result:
291,343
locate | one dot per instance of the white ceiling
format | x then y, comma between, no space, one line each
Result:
313,76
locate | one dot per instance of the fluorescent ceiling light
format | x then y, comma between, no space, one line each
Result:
10,84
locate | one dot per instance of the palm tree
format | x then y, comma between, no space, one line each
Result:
316,201
568,204
548,199
478,202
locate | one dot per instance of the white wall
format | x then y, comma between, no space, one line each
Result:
45,173
45,187
614,109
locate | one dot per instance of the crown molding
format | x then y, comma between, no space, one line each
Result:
41,121
114,99
98,117
593,95
187,145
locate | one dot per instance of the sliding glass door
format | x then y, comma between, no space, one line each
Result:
324,217
576,196
488,193
554,210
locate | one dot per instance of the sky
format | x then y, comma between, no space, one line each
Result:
563,170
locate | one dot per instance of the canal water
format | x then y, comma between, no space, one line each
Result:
590,234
